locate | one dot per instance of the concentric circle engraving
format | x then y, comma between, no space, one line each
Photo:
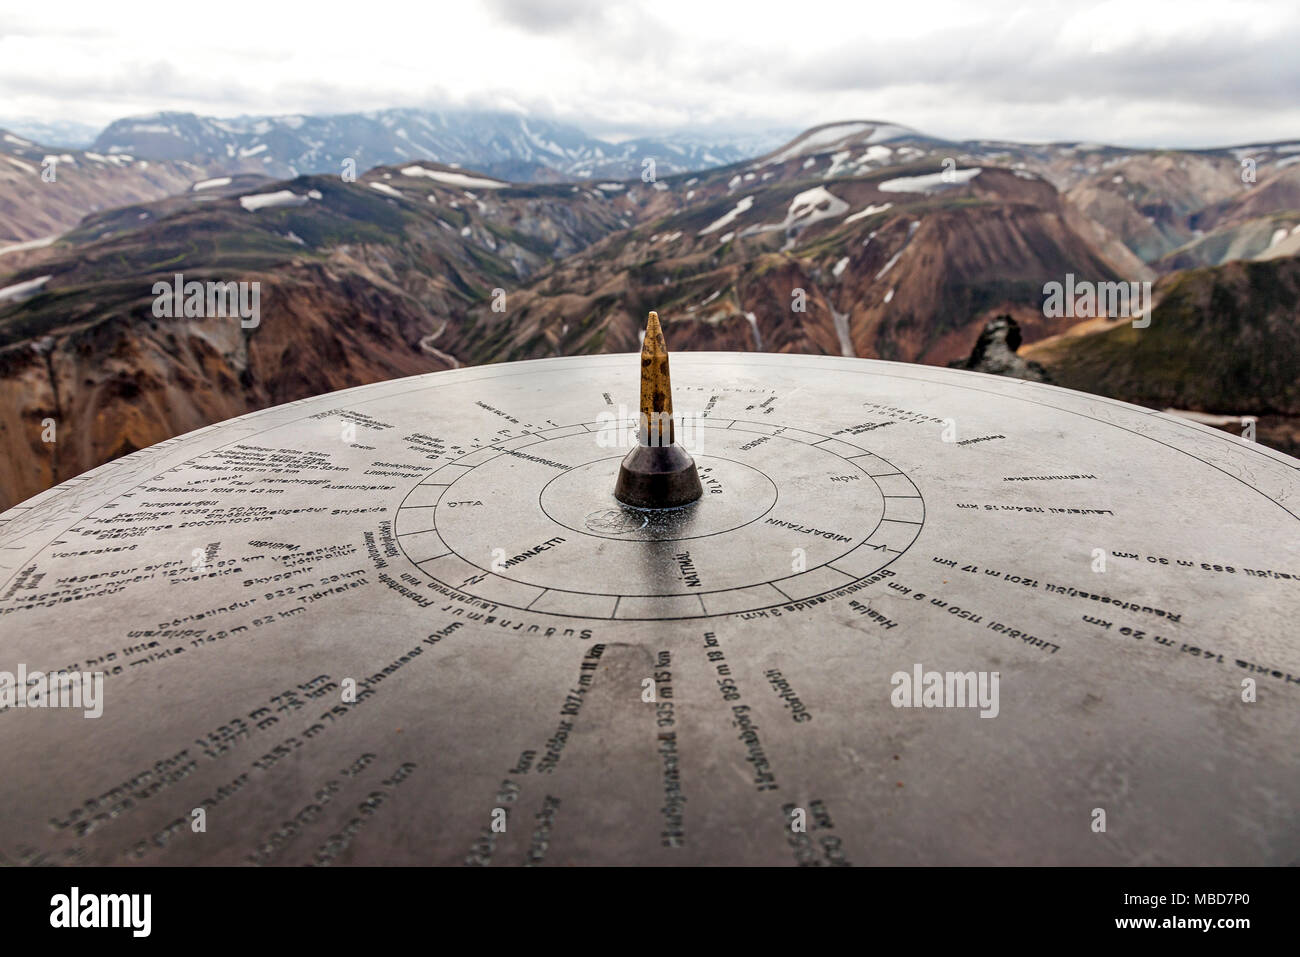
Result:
786,515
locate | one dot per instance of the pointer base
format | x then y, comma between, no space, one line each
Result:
658,476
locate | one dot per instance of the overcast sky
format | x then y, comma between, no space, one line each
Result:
1182,73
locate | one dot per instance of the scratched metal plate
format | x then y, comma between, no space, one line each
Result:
450,544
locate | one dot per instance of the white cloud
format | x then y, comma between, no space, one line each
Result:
1173,72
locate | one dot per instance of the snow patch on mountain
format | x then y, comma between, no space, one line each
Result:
826,137
454,179
839,136
810,206
864,213
23,290
727,218
30,244
283,197
929,182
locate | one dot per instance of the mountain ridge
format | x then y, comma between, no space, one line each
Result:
494,142
895,244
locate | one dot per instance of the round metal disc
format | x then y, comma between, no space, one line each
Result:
918,616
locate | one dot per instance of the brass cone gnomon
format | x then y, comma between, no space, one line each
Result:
657,473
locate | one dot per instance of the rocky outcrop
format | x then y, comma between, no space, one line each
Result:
995,353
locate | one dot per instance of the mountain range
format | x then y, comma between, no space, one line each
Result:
860,238
505,145
148,157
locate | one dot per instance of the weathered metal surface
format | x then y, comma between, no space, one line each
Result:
451,544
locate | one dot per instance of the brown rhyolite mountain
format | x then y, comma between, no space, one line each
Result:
357,286
855,239
46,191
848,266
